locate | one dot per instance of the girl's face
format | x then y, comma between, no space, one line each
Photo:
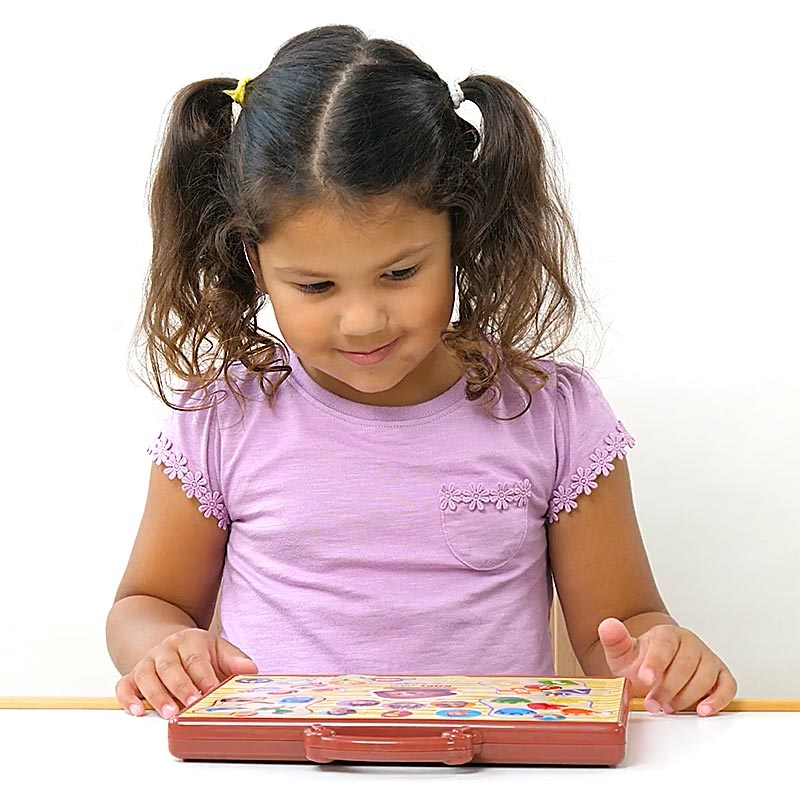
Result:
340,287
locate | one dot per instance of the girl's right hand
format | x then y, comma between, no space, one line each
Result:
186,665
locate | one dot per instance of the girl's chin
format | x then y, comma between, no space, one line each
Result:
364,379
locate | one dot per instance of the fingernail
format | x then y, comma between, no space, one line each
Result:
647,675
135,709
193,699
704,710
668,709
168,711
653,706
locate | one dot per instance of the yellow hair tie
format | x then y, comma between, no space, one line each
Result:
238,93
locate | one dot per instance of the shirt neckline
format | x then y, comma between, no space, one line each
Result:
364,411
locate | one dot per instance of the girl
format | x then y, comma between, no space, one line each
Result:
390,490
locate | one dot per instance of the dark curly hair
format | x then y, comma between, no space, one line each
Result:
338,115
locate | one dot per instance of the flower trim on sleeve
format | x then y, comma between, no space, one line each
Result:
194,484
583,479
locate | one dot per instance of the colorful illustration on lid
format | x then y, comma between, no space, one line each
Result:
554,687
412,693
247,705
433,697
458,713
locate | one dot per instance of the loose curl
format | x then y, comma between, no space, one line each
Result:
339,116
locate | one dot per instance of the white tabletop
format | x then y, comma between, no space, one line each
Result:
48,752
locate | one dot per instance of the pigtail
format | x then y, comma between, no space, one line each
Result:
515,247
200,305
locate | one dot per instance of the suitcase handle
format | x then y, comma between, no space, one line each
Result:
456,746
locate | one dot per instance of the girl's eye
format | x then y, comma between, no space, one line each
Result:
394,275
312,288
402,274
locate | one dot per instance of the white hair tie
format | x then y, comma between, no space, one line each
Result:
456,93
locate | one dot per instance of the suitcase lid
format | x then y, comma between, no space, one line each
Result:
508,709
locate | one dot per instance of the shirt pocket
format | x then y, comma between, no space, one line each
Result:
485,523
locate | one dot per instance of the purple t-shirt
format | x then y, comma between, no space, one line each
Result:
391,540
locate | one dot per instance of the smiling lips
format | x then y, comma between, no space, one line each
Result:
370,358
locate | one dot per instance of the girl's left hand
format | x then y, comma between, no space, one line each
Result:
669,666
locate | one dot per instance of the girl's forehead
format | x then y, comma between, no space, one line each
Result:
378,220
374,212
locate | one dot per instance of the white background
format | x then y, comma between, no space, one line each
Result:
677,126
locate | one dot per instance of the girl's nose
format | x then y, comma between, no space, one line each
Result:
362,319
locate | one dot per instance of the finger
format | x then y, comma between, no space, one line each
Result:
660,646
690,675
186,670
154,676
620,648
232,661
197,657
719,697
128,696
699,684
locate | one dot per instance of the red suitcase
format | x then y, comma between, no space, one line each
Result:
445,719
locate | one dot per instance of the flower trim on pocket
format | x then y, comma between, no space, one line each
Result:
491,538
477,496
194,484
583,479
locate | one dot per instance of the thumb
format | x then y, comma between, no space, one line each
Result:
621,649
232,661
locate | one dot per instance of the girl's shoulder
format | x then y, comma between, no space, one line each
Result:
565,376
227,395
562,390
553,377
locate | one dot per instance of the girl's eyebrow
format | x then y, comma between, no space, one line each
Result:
308,273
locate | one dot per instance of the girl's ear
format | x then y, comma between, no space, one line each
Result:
256,270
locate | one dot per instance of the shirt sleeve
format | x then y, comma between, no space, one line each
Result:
588,436
188,447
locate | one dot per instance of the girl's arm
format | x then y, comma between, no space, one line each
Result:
601,570
157,628
172,577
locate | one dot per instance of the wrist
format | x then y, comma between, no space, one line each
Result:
138,623
641,623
